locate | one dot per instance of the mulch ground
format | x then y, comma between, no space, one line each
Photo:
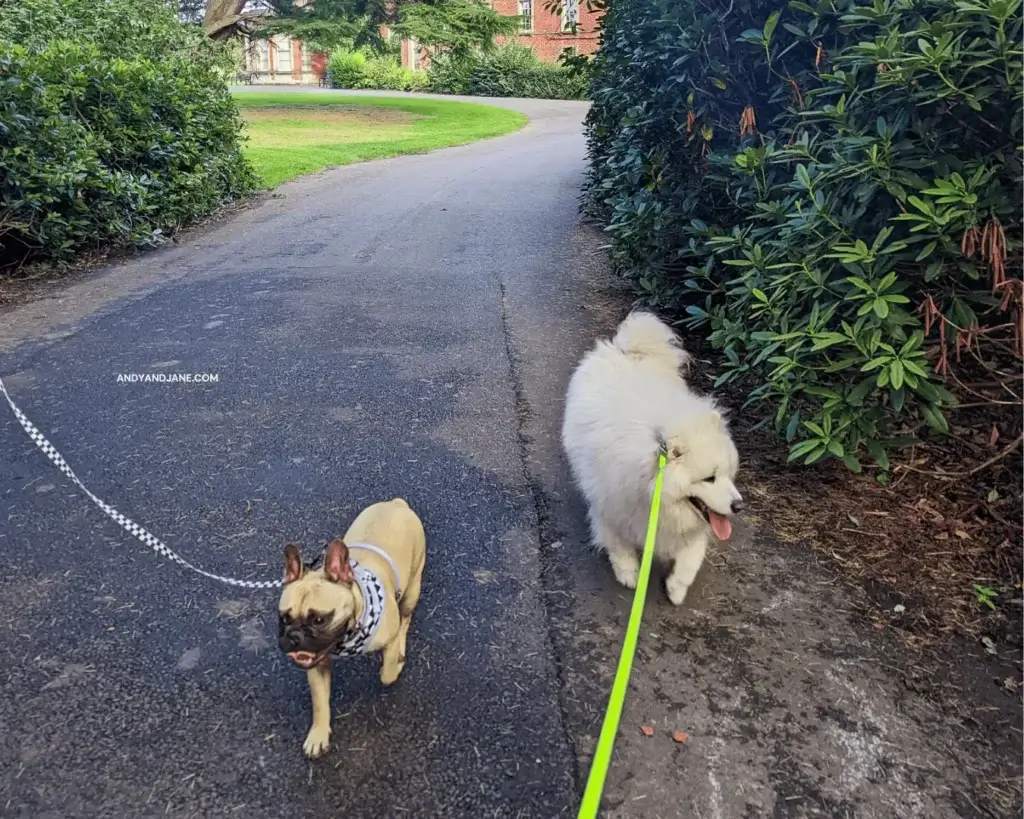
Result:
944,535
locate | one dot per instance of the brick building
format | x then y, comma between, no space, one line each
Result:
283,61
546,33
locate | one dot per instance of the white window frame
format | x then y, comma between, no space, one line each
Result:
526,26
261,63
282,45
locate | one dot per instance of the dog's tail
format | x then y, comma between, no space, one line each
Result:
645,337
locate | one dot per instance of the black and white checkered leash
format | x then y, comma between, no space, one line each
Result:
125,523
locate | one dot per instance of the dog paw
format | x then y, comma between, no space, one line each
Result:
626,572
676,590
318,740
389,676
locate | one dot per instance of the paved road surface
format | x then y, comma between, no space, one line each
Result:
403,327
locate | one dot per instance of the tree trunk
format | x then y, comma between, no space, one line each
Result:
221,17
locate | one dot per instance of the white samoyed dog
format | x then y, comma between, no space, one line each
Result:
627,399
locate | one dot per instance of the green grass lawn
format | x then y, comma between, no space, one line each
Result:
294,133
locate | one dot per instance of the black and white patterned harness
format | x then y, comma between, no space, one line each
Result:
358,638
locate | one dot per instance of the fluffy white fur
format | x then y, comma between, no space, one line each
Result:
625,398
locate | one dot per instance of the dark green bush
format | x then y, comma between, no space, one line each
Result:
514,71
346,68
832,193
359,69
116,127
510,70
449,74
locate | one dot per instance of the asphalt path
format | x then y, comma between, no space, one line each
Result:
357,326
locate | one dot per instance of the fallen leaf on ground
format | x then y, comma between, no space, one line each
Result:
680,736
647,730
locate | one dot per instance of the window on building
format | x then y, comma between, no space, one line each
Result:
262,56
307,58
282,54
526,12
566,25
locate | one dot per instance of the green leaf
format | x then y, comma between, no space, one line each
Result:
858,393
877,451
881,307
769,26
946,396
822,341
793,426
851,462
912,366
934,418
803,176
759,295
875,363
801,449
813,427
816,455
896,374
921,205
927,391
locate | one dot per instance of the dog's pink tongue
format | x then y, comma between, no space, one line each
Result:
720,525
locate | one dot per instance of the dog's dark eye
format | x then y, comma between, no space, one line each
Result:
285,619
710,479
319,621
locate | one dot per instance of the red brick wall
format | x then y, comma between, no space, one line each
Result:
547,39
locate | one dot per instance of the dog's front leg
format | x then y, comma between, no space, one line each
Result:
318,740
392,660
687,563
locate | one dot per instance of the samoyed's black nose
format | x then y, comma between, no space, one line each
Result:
737,506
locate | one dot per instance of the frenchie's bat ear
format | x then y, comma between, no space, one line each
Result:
293,568
336,565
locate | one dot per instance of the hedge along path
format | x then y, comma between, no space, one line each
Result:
291,134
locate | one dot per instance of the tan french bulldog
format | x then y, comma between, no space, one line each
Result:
360,601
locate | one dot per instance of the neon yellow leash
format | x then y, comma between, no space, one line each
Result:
610,727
